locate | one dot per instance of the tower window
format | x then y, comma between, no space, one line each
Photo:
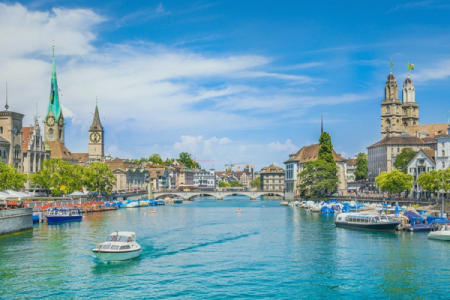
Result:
50,133
1,129
60,133
388,110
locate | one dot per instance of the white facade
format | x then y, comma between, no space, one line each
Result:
291,179
443,152
421,163
205,179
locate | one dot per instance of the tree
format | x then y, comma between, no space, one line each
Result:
235,183
155,159
403,159
256,183
185,159
169,161
224,184
99,178
432,181
362,169
316,177
59,176
394,182
10,179
326,149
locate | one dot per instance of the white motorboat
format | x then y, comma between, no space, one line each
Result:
442,234
120,245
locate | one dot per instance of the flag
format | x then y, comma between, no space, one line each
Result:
410,66
392,63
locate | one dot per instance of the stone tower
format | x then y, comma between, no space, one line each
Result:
54,120
391,109
96,138
410,107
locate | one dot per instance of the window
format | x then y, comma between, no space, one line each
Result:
398,150
443,165
1,129
50,133
388,110
60,133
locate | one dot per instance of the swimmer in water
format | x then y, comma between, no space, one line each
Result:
239,210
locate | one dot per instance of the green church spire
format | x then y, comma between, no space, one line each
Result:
53,104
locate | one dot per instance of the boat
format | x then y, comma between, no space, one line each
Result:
119,246
178,200
59,215
284,203
418,223
442,234
366,221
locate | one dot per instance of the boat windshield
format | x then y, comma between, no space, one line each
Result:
119,238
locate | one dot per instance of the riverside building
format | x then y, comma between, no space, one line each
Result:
272,178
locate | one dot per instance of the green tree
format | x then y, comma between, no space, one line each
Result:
394,182
256,183
235,183
326,149
316,177
99,178
10,179
169,161
362,169
432,181
155,159
59,176
224,184
403,159
185,159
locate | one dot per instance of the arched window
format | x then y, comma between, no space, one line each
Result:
50,133
388,109
60,133
1,129
405,124
388,123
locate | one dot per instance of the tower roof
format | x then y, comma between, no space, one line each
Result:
96,124
53,105
408,81
391,78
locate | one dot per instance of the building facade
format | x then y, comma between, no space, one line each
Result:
443,151
11,138
350,171
129,176
159,178
205,179
424,161
244,177
272,178
96,138
33,148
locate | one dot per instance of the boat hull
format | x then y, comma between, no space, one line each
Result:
116,256
61,219
384,226
421,227
441,237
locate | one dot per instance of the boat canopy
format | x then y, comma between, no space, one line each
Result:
125,233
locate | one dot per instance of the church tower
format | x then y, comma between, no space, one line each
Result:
410,107
96,138
391,109
54,120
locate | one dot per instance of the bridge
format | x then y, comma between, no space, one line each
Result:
217,194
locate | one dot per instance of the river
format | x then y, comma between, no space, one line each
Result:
205,250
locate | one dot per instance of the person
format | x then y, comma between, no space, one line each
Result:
114,238
129,240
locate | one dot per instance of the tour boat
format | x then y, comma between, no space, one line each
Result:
442,234
120,245
373,222
58,215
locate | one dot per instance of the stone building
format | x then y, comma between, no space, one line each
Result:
33,148
272,178
130,176
244,177
96,138
159,178
351,168
296,161
424,161
185,175
443,151
11,138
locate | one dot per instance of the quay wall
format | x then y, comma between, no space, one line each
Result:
14,220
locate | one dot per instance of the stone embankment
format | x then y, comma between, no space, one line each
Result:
14,220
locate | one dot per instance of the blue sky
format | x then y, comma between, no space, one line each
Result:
240,81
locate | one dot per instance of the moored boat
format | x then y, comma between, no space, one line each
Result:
59,215
372,222
119,246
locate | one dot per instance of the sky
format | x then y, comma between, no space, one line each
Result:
226,81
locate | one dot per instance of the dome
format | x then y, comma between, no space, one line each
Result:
391,78
408,81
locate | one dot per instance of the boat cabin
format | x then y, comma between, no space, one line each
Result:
64,212
363,219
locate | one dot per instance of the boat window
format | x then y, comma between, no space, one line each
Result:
114,247
123,238
125,247
112,238
100,246
106,246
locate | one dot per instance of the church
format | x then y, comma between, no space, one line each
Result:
54,130
400,127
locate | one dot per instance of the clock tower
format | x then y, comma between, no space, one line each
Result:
96,138
54,119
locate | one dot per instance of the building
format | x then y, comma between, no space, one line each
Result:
11,138
424,161
272,178
158,178
185,175
96,138
443,151
295,163
244,177
350,172
205,179
129,176
33,148
382,154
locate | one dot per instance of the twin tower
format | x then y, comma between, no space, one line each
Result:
396,115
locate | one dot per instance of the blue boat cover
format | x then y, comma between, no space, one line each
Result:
411,214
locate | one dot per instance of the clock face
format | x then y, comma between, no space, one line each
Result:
51,121
95,137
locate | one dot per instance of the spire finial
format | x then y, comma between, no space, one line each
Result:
6,105
321,123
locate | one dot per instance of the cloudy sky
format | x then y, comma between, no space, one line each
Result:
230,81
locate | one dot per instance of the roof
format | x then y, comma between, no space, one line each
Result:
311,152
123,164
432,129
81,157
408,81
391,78
430,153
240,173
156,172
3,140
58,150
27,135
351,162
398,140
53,106
96,124
269,169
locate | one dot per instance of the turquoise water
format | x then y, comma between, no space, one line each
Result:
205,250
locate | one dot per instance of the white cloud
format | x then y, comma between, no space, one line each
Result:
440,70
286,147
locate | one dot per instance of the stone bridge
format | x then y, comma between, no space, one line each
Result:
217,194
